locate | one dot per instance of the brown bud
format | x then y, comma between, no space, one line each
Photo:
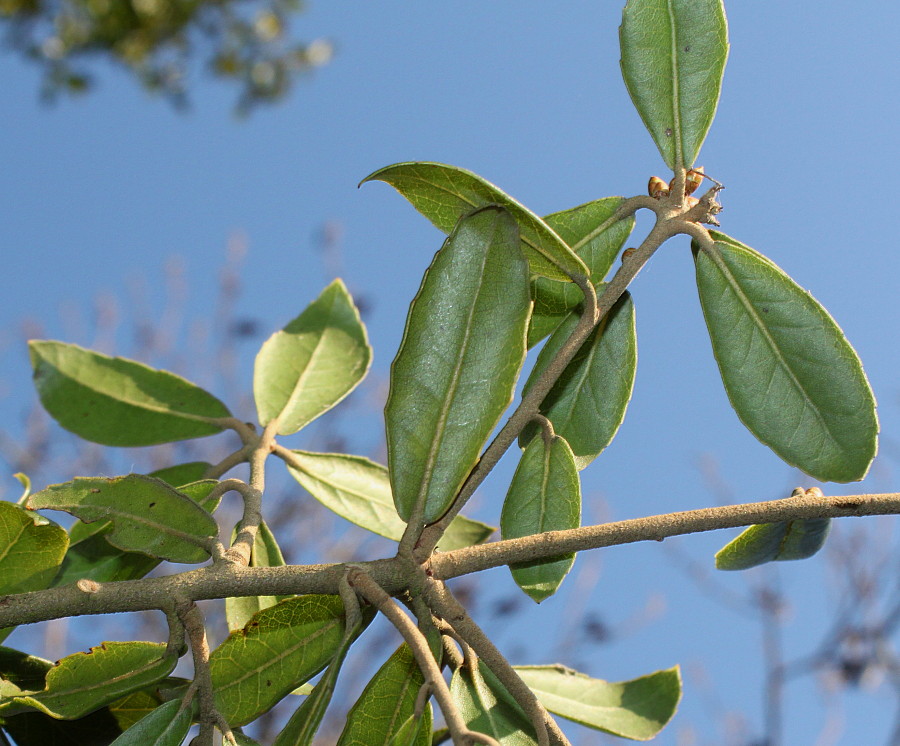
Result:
626,255
657,188
693,180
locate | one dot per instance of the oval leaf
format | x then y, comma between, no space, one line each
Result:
360,490
119,402
791,375
387,703
444,194
147,515
167,725
593,233
488,708
458,362
636,709
588,402
265,553
544,495
84,682
313,363
31,550
673,59
278,649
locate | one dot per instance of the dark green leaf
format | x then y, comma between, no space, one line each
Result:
636,709
444,194
147,514
791,375
386,704
279,649
360,490
119,402
167,725
673,58
182,474
458,362
593,233
588,402
265,553
31,550
313,363
544,495
488,708
84,682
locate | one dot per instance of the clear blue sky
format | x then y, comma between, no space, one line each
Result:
96,191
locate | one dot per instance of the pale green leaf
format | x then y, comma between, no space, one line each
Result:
147,514
31,550
594,234
636,709
309,366
265,553
360,490
278,649
587,404
790,374
458,362
673,59
544,495
386,704
444,194
119,402
84,682
167,725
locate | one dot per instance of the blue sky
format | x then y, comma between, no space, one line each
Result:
95,192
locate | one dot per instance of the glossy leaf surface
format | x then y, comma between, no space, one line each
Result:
444,194
544,495
488,708
636,709
84,682
588,402
791,375
147,514
265,553
386,704
360,490
119,402
458,362
279,649
594,234
31,550
309,366
673,58
167,725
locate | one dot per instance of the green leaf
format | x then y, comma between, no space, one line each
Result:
25,481
594,235
636,709
147,514
544,495
31,550
301,729
167,725
313,363
386,705
360,490
444,194
181,474
84,682
488,708
791,375
673,59
458,362
119,402
770,542
278,649
587,403
265,553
